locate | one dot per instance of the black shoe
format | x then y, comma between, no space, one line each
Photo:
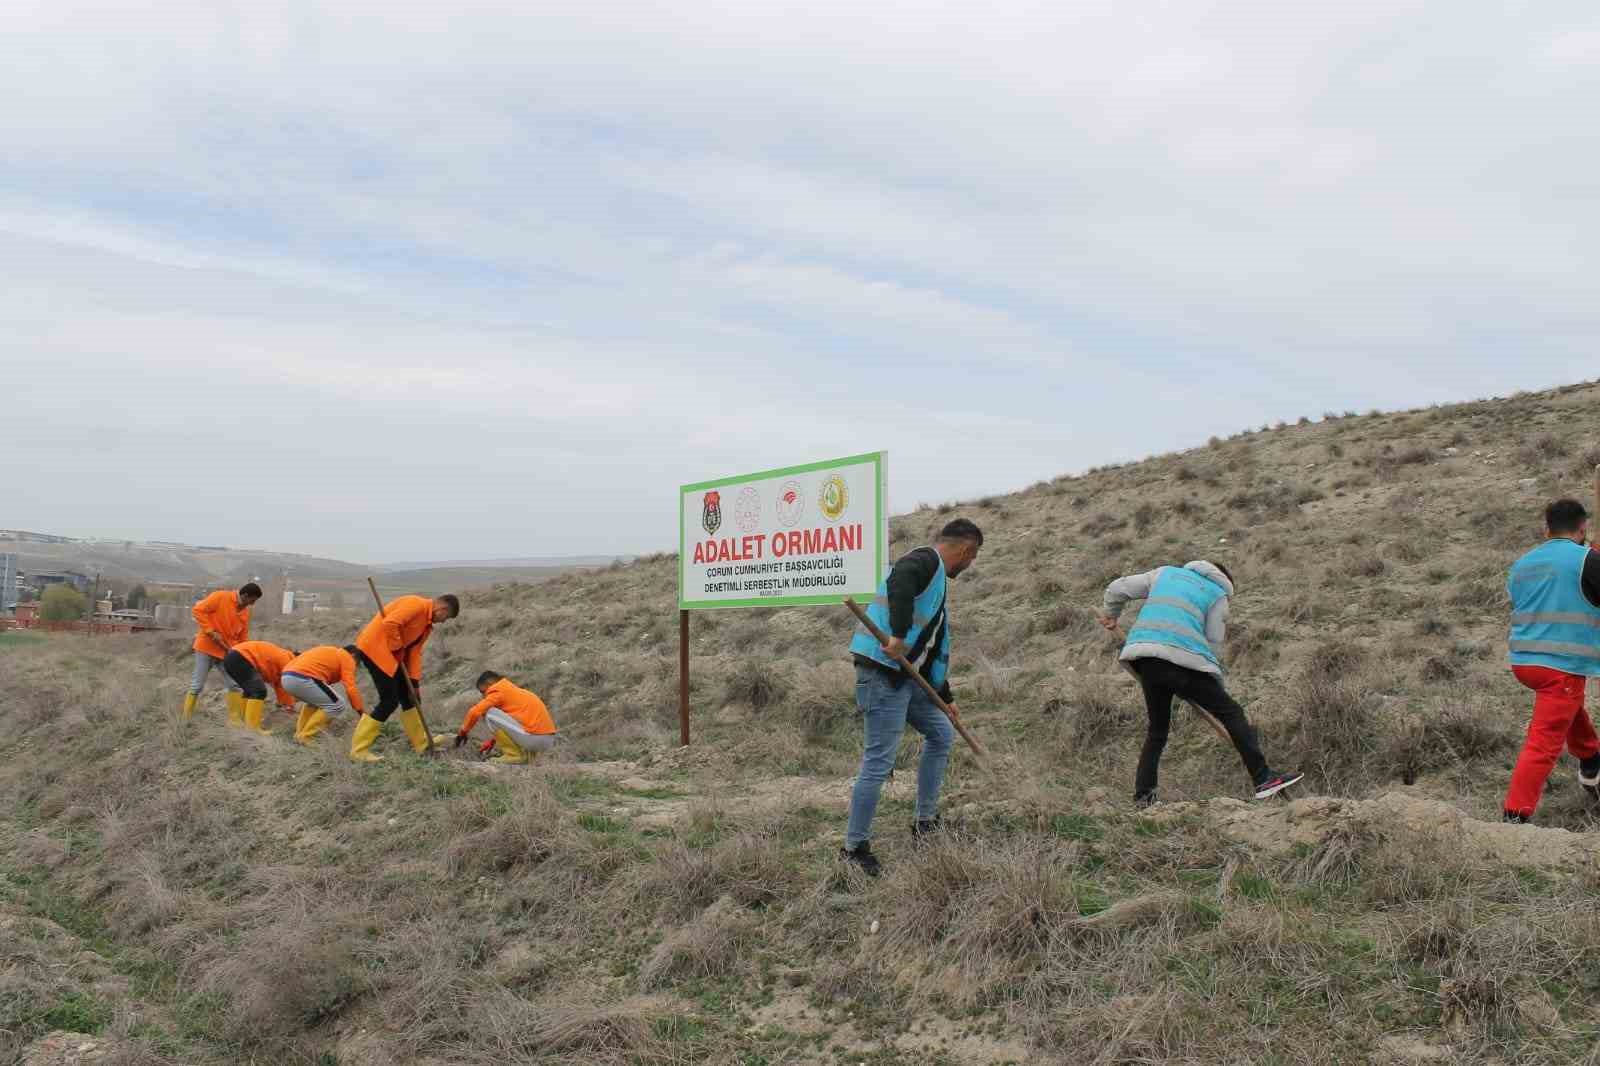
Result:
1514,816
1589,777
862,856
1272,784
1145,800
926,827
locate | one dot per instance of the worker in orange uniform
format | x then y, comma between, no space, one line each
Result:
393,641
310,677
222,620
254,665
520,720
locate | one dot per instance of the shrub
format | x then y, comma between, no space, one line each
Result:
759,682
1337,728
62,603
1101,523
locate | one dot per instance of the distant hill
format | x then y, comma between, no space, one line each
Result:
127,563
542,562
133,562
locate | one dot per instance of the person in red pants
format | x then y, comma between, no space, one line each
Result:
1555,649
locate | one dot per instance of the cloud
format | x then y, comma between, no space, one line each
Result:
570,257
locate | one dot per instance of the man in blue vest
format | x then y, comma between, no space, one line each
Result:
1173,650
1555,649
910,607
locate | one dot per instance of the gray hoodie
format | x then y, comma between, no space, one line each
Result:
1138,586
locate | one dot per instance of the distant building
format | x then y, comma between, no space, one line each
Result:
44,579
10,581
171,615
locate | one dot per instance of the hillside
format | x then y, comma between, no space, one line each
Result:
200,896
124,564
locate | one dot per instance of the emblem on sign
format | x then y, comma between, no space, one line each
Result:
833,497
791,504
711,512
747,509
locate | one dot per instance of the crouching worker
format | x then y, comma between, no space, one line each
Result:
1173,649
310,676
222,620
521,722
391,642
1555,649
254,665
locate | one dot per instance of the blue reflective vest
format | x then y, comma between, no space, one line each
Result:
928,625
1175,612
1553,623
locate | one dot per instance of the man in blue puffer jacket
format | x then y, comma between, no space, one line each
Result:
1173,649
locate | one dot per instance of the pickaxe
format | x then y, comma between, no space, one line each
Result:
916,675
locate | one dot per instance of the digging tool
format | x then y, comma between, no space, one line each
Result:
916,675
1221,732
400,669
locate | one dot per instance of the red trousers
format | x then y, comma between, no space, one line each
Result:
1559,721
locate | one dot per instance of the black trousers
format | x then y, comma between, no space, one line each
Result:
1161,681
245,675
392,692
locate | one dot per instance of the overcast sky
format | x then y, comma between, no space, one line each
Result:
395,281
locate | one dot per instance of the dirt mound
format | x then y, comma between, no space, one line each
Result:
1315,820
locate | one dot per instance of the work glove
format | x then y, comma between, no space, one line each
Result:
461,738
486,747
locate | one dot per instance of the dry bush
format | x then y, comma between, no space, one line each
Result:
1455,734
759,682
1337,725
1543,448
995,905
748,868
535,827
1482,587
1069,621
1094,710
1102,523
823,700
710,946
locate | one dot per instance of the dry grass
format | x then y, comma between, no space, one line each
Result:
257,902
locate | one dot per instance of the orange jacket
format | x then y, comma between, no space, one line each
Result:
269,661
331,666
402,629
519,703
220,611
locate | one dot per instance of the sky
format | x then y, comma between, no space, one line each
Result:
381,282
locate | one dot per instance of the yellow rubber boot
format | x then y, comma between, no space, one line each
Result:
507,748
188,705
361,738
416,732
253,710
300,719
236,709
315,722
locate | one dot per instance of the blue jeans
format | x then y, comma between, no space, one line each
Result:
885,709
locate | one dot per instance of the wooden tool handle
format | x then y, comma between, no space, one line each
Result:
916,675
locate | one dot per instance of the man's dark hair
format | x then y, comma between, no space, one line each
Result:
1564,516
250,588
451,602
489,677
1225,572
352,649
962,529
